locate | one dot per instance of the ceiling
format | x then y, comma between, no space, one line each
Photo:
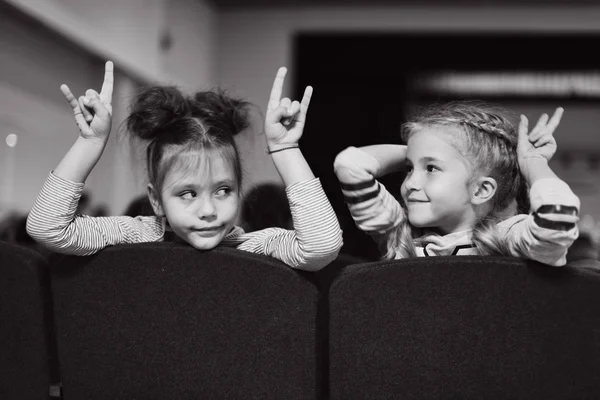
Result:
245,4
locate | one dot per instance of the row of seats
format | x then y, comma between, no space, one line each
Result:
165,321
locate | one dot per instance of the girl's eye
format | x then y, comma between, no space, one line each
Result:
432,168
223,192
409,168
188,195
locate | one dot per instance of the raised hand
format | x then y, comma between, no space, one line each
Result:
93,112
284,122
540,142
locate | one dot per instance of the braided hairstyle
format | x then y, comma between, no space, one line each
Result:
185,131
487,140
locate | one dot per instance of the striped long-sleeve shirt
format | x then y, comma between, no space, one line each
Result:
314,242
545,235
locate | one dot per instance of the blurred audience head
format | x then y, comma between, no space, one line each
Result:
139,206
583,248
587,245
85,203
265,206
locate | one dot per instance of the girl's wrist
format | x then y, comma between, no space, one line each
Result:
534,169
533,162
278,147
93,141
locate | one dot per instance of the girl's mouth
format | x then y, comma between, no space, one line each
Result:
210,231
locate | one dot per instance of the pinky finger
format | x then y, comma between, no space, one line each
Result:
308,91
555,120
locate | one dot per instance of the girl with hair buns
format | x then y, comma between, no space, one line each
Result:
195,177
468,171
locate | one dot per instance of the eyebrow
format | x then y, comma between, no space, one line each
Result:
228,181
426,159
188,184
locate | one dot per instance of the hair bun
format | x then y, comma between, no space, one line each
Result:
154,108
229,114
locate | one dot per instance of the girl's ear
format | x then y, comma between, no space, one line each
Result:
483,190
155,201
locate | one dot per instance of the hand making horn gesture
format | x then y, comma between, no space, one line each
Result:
540,142
285,119
93,112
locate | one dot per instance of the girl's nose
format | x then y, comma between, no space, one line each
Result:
207,210
412,181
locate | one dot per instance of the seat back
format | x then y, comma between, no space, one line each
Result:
466,327
166,321
24,314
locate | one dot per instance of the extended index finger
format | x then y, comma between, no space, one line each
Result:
107,86
277,88
70,97
79,118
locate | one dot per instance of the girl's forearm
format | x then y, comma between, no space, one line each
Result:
292,166
391,157
81,158
354,164
536,169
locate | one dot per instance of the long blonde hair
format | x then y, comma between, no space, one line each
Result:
487,139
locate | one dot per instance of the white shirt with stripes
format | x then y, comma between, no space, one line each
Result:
314,242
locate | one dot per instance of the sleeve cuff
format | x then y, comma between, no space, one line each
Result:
66,184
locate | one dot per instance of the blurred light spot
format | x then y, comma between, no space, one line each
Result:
11,140
541,83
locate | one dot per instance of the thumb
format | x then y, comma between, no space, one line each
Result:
523,130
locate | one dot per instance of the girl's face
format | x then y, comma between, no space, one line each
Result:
436,189
202,205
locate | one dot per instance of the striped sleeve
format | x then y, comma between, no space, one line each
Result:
316,239
53,222
374,210
546,234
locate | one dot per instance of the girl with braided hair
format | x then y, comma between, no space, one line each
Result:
474,185
194,174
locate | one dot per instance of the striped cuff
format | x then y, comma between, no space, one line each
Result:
357,186
557,209
61,183
355,193
554,225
